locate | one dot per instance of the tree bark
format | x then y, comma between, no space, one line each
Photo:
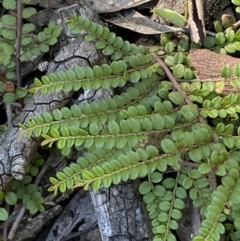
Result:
120,212
16,150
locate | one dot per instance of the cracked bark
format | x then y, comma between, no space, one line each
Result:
17,150
121,213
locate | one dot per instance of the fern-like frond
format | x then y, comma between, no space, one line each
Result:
128,164
110,44
212,226
105,76
101,111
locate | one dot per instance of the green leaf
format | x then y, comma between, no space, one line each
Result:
107,181
21,92
42,36
44,48
163,217
89,37
170,16
187,183
170,236
100,44
25,40
176,98
178,71
9,19
161,229
169,60
9,4
168,183
190,112
87,175
226,71
11,198
181,193
230,35
237,223
168,146
33,209
27,28
3,214
204,168
52,41
56,30
178,203
28,12
209,42
199,238
236,70
165,206
196,155
188,74
108,50
145,187
63,187
9,98
9,34
169,47
156,177
220,38
135,76
10,75
96,184
183,44
113,128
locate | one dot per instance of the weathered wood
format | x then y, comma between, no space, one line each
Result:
29,229
17,150
79,214
121,213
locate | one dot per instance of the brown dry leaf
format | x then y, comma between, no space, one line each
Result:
138,23
208,64
9,87
103,6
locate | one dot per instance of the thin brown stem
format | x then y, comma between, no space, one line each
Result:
172,79
211,175
18,42
189,164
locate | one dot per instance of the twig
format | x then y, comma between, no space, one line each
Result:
172,79
189,164
18,42
211,175
5,225
9,114
16,223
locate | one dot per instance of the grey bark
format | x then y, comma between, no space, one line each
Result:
17,150
121,213
79,214
34,225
